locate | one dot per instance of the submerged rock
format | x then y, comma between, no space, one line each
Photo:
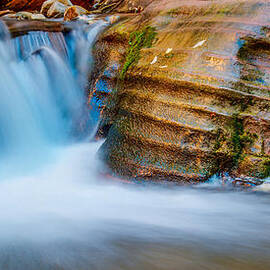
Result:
247,182
203,107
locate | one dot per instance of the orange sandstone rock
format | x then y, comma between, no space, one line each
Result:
73,12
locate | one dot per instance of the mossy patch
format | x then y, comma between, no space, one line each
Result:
254,166
138,40
266,168
239,140
230,146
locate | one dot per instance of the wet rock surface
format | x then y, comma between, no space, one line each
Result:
196,102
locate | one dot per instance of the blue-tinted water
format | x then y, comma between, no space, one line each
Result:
57,212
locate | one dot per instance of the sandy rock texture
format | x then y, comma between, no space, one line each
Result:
197,101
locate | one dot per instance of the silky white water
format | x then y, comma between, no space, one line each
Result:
58,212
64,216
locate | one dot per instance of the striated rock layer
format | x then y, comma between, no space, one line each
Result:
197,102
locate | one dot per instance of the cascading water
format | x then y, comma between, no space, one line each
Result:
42,99
56,213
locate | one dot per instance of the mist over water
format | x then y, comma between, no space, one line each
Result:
58,212
65,216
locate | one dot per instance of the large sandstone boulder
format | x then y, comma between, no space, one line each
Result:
196,102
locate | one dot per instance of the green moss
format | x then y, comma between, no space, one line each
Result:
239,140
261,169
219,140
220,162
237,133
266,166
230,145
138,40
262,148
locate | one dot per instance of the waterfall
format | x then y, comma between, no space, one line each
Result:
57,212
42,88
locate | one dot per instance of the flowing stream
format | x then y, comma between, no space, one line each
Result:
58,213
